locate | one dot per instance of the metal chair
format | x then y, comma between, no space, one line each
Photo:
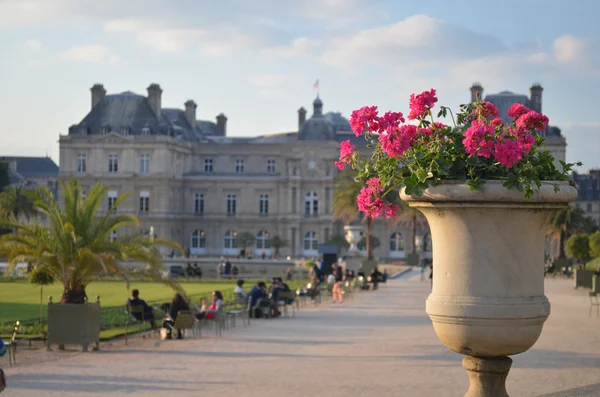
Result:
594,302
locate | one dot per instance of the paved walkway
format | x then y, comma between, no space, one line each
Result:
380,344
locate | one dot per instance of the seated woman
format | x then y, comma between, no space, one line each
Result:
178,304
214,307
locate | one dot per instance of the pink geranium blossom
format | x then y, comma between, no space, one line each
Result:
508,151
367,200
485,109
398,140
478,139
420,104
391,210
346,154
390,120
532,121
517,110
362,119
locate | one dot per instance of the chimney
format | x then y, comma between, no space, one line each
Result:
190,113
221,125
98,93
476,92
301,117
536,97
154,99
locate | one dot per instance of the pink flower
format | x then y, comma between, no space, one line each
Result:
397,141
478,139
508,152
420,104
532,121
496,122
426,131
390,120
374,184
485,109
362,119
517,110
371,205
340,165
438,126
526,141
391,210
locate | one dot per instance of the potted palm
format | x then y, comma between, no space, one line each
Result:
78,244
487,189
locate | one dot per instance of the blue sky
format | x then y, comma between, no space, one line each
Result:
256,60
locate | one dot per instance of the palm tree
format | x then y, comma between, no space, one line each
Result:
78,243
564,223
16,201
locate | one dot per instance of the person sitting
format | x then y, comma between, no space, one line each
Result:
239,289
140,310
215,306
256,294
178,304
375,277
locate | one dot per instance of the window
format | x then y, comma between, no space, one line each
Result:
146,131
311,204
239,166
81,163
230,242
576,205
327,194
231,204
262,240
125,130
104,130
113,163
198,239
144,163
208,165
112,236
263,204
83,130
294,200
144,201
271,166
112,199
589,207
311,242
396,242
198,204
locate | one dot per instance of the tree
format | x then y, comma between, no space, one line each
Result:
564,223
594,243
578,246
277,243
588,225
340,241
76,245
40,276
17,201
362,244
4,178
244,240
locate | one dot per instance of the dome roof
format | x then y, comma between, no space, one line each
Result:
317,102
316,129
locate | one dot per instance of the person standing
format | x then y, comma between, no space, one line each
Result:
422,270
338,274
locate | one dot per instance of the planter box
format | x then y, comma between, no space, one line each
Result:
583,278
73,324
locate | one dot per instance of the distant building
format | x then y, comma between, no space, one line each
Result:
193,184
32,172
589,193
555,143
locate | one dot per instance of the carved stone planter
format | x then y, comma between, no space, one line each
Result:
488,300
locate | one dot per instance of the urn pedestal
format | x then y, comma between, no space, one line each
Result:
487,300
354,257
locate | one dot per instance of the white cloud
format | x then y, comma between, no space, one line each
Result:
570,49
32,45
90,53
298,48
268,80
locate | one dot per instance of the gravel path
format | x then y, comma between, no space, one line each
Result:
379,344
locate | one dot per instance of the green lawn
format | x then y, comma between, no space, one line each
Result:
19,300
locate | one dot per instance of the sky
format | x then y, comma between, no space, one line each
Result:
256,61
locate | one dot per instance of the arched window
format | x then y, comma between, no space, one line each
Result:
311,241
146,130
198,240
262,240
396,242
311,204
230,240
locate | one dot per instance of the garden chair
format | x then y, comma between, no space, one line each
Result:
185,320
135,317
594,302
283,299
239,309
11,345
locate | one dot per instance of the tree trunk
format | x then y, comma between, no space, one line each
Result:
414,234
368,238
74,295
561,245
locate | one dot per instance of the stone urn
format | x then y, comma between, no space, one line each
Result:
487,300
353,237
